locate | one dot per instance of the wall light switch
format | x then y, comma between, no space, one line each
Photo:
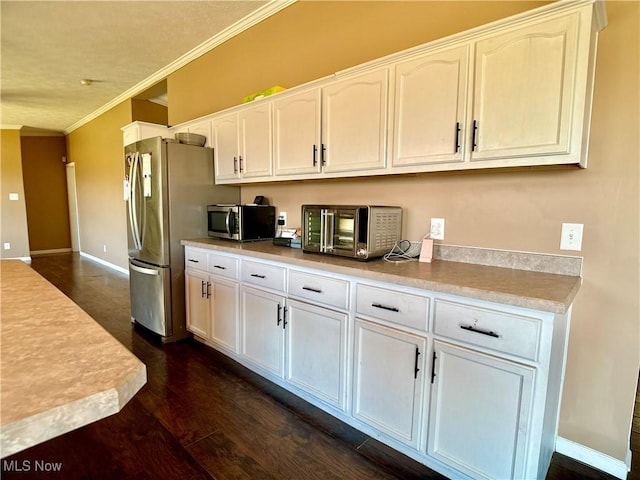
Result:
7,246
571,237
14,196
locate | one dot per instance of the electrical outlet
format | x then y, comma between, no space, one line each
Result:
7,246
282,216
571,236
437,229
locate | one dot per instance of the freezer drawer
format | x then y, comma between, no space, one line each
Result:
150,288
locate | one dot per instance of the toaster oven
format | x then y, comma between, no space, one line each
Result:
357,231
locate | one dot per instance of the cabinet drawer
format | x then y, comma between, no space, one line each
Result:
195,259
393,305
500,331
223,265
319,289
264,275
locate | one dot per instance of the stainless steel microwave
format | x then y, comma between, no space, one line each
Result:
357,231
243,223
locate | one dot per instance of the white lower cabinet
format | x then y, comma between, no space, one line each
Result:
263,320
480,412
467,387
212,308
387,380
224,313
198,317
316,351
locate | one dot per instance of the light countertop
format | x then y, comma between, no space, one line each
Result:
60,370
544,291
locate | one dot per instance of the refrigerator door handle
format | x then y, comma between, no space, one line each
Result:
135,227
146,271
131,159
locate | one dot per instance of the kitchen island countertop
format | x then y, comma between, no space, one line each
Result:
60,369
549,292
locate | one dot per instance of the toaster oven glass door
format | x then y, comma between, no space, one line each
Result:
343,232
313,229
330,230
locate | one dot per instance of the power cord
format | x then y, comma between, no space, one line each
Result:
403,251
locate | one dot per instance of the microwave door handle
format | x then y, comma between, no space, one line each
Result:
227,222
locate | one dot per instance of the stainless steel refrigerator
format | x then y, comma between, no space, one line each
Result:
167,187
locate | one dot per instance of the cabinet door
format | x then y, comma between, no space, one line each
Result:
198,292
296,128
224,313
202,128
524,91
354,122
388,378
255,141
429,116
480,407
316,346
262,329
225,140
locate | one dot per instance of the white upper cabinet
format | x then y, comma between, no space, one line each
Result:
429,108
201,128
135,131
296,133
337,128
354,123
525,91
255,141
226,146
242,143
517,92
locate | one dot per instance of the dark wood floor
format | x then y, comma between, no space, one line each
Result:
203,416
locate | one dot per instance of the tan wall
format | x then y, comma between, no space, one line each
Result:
97,150
13,223
146,111
519,210
45,185
312,39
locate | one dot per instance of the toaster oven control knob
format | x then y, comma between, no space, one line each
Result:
362,252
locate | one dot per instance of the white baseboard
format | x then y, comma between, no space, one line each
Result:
593,458
105,263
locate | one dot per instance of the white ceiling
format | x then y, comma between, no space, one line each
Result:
125,47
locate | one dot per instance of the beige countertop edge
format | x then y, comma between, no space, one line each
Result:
332,264
29,431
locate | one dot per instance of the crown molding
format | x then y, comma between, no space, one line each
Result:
271,8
